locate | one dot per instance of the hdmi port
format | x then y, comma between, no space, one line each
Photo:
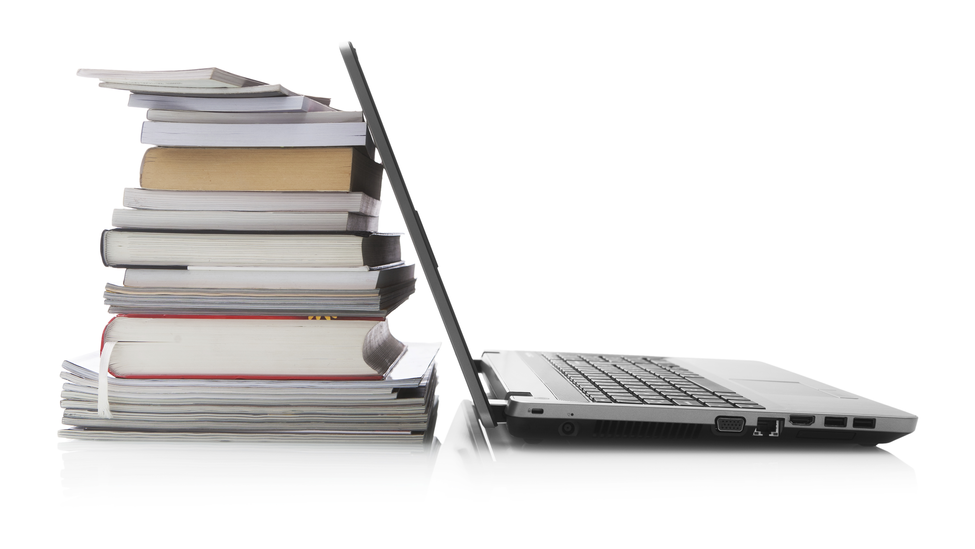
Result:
802,420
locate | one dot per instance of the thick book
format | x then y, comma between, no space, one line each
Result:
191,78
251,201
179,134
261,169
249,347
294,103
126,248
277,279
242,301
412,371
201,220
201,117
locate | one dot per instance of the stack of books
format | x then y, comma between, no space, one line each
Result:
256,290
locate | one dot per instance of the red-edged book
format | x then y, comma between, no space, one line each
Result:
249,347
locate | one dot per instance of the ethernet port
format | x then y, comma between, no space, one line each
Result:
768,427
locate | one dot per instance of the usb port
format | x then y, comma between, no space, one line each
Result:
833,421
537,410
864,423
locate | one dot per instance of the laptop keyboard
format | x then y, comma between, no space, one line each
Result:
643,380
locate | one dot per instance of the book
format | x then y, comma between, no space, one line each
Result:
294,103
180,134
202,117
162,347
256,289
411,371
260,279
266,90
243,301
397,408
192,78
127,248
384,441
201,220
261,169
251,201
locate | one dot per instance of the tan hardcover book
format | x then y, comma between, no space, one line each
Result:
261,169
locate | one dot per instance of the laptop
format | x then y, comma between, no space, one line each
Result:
544,395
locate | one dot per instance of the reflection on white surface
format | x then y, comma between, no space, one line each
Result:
128,469
473,454
591,495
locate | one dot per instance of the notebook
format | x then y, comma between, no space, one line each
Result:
541,394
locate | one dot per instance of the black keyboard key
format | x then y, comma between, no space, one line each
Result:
647,380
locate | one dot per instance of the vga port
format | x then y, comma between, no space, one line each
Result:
725,424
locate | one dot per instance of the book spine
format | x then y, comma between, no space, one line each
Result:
101,248
380,249
367,175
104,331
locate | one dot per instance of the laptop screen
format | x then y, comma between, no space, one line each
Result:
425,254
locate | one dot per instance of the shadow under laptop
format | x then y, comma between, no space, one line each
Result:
723,466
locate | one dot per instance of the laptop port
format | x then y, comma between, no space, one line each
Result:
537,410
726,424
802,420
567,429
833,421
864,423
768,427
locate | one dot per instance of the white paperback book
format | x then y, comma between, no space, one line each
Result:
251,201
178,134
191,78
360,278
294,103
202,117
202,220
266,90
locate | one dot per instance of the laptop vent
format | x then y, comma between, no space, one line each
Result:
645,429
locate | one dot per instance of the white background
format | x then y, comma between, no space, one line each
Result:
776,181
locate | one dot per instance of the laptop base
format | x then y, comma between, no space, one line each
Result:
538,429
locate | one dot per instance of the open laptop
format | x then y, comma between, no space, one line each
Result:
554,394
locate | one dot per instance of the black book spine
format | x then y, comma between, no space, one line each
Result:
380,249
101,248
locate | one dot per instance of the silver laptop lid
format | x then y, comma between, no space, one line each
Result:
417,234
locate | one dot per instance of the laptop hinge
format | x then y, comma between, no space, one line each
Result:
494,387
497,407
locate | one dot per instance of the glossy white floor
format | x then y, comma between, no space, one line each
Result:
786,183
